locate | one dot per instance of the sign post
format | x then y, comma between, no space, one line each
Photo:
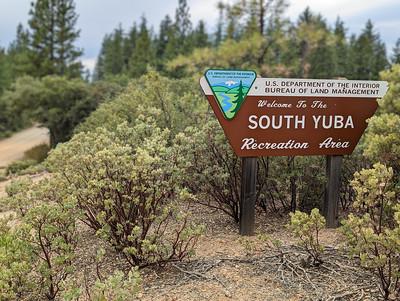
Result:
331,202
248,195
290,117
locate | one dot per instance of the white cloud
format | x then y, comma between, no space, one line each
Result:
205,10
333,8
89,63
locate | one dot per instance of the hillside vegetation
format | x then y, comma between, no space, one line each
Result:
141,198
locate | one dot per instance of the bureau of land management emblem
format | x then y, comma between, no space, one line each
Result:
230,88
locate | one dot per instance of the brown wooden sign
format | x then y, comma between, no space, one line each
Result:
291,117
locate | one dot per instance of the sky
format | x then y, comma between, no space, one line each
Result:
98,17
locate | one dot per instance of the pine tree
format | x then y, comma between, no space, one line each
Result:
165,33
66,35
180,33
233,15
369,54
142,55
172,47
255,10
5,74
114,53
340,49
129,44
395,59
321,60
200,36
53,34
183,26
99,69
310,33
220,24
19,53
239,98
111,60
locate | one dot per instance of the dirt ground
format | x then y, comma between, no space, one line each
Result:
13,148
227,266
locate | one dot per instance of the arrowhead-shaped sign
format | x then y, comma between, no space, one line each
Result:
230,88
290,116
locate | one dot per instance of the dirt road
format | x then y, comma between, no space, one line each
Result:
13,148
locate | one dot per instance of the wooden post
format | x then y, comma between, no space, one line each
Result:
248,196
331,204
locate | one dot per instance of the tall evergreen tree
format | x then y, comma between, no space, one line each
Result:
53,34
129,43
164,35
311,30
183,26
219,34
369,54
114,60
395,59
200,36
5,72
111,58
340,49
180,34
233,15
99,70
254,12
142,55
322,61
19,53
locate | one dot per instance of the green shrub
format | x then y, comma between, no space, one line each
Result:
116,287
390,103
46,232
17,166
128,185
3,175
211,169
373,232
33,170
175,104
381,141
307,228
19,196
37,153
16,262
51,231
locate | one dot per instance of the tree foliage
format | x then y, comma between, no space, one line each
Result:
55,102
53,33
373,232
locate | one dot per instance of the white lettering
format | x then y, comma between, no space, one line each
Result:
337,122
298,122
251,144
253,123
247,142
316,120
349,123
329,143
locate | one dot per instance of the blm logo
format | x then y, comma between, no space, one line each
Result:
230,88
